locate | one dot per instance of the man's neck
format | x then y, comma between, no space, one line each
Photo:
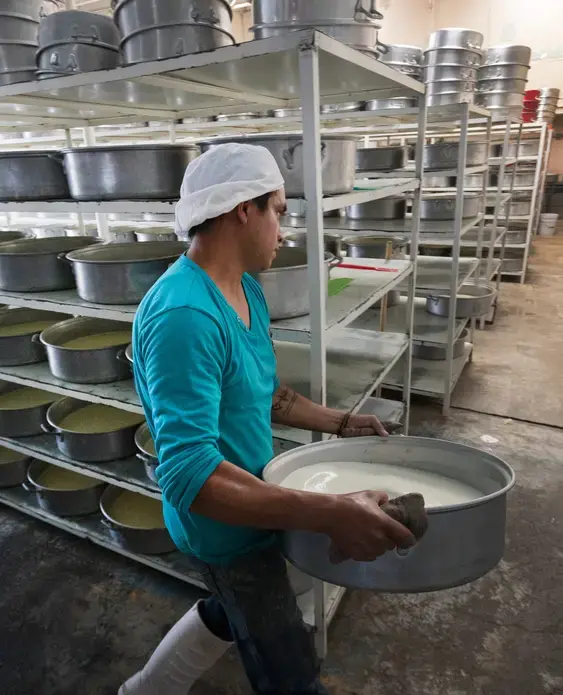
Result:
219,260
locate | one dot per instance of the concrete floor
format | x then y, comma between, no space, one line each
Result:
76,619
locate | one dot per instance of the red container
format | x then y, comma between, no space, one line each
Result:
529,116
531,95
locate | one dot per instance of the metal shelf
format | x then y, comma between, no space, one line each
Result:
119,394
357,362
428,375
428,328
366,288
91,528
127,473
430,172
263,73
435,272
68,302
509,161
367,191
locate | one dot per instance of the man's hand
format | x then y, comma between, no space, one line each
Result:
356,425
360,530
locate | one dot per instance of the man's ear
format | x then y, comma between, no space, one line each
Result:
242,212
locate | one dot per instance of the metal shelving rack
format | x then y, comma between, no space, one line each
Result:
298,68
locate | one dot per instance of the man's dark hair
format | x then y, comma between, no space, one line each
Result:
261,203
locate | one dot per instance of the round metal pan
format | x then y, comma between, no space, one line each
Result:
472,301
22,348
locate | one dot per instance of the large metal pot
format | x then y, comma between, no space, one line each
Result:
439,73
15,76
464,541
374,246
17,28
445,155
173,40
525,149
472,301
136,172
70,57
448,86
506,71
338,160
436,353
402,53
396,103
456,38
520,55
146,453
17,56
383,209
313,11
35,265
517,208
32,175
88,447
488,99
136,539
17,330
132,16
452,56
522,178
342,107
75,25
17,420
332,242
406,69
502,85
65,502
121,273
86,365
13,467
442,207
381,158
286,284
357,35
155,234
31,9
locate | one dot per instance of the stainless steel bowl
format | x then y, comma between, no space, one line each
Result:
442,206
504,71
72,57
36,265
145,445
76,25
127,172
452,56
383,209
313,11
155,234
374,246
464,541
501,85
21,422
456,38
472,301
520,55
445,155
450,98
21,348
154,541
448,86
502,99
121,273
85,365
34,175
332,242
381,158
438,73
13,467
396,103
286,285
99,447
402,53
63,502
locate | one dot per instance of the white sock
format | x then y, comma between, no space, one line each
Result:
185,653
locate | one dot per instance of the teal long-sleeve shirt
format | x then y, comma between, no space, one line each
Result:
206,383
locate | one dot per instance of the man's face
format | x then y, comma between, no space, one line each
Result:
263,236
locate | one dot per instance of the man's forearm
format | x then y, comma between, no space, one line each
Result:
292,409
234,496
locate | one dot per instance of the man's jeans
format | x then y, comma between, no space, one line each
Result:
253,603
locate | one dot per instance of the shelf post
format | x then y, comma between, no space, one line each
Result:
101,220
409,328
458,223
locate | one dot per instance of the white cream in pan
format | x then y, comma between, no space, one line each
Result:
341,477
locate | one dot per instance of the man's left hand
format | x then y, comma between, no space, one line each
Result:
362,426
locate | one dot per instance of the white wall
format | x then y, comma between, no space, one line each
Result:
406,21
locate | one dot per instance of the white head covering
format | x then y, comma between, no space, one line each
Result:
221,178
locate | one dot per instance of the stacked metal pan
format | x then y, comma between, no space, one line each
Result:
354,22
405,59
450,66
171,28
19,21
547,107
502,80
74,41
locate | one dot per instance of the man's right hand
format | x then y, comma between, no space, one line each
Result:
360,530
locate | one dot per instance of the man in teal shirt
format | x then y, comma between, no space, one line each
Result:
205,371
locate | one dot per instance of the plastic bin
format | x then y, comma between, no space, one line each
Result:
548,224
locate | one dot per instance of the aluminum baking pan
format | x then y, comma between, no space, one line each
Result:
380,158
472,301
463,542
436,352
20,347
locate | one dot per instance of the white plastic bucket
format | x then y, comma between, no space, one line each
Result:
548,224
